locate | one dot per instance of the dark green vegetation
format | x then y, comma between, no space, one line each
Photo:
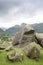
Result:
26,61
4,36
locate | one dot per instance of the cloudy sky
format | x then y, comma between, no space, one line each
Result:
14,12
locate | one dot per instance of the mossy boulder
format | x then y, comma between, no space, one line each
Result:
32,50
5,45
9,48
15,56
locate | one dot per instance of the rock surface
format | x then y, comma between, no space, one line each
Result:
16,56
39,37
25,35
32,50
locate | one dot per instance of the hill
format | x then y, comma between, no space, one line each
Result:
13,30
4,36
38,27
16,28
2,32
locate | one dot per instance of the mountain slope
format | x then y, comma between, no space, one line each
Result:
16,28
38,27
13,30
2,32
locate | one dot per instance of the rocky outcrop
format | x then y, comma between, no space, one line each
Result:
30,43
39,38
32,50
24,36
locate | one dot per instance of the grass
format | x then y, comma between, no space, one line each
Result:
26,61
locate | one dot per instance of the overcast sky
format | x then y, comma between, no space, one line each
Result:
14,12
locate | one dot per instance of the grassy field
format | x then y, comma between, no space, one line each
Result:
26,61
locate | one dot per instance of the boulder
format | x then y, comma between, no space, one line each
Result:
9,48
15,56
16,38
5,45
32,50
2,47
39,37
25,35
10,56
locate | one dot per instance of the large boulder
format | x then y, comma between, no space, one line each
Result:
25,35
32,50
15,56
39,37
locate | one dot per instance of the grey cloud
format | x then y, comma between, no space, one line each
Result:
26,6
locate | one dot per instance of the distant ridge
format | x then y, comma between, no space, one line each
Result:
38,27
16,28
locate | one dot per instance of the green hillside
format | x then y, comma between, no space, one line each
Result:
2,33
4,36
